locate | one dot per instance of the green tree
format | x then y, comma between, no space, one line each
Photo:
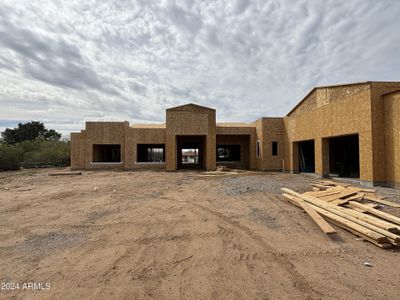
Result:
29,131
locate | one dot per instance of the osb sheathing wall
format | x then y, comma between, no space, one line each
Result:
270,130
333,111
249,131
392,138
378,127
78,150
105,133
190,120
244,142
137,136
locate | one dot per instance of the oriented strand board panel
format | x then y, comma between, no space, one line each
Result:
105,133
270,130
392,138
78,150
349,114
342,110
238,130
243,141
190,119
378,127
321,96
142,135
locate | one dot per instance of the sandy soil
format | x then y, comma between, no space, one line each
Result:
137,235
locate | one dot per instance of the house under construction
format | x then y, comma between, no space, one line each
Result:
348,130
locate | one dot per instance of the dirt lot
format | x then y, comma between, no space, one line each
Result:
135,235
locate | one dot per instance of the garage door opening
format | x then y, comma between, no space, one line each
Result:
306,156
344,157
106,153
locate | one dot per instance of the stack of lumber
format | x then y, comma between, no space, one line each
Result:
351,208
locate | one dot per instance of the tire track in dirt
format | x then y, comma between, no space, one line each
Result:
299,281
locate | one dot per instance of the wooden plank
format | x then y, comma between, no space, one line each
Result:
325,227
375,212
382,245
345,193
346,224
334,183
343,212
374,220
368,190
66,173
339,202
327,192
359,225
392,238
321,186
357,196
385,202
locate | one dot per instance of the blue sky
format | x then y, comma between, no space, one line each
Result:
67,62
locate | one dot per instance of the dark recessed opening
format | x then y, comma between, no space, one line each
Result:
106,153
344,160
306,156
274,148
150,153
228,153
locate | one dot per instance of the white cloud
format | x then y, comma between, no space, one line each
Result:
65,62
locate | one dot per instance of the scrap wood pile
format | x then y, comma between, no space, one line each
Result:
351,208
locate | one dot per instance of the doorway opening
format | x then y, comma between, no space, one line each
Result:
306,156
190,152
344,156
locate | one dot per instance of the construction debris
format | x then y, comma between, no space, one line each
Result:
224,169
347,207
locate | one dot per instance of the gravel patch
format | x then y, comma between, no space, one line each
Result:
39,246
269,182
390,193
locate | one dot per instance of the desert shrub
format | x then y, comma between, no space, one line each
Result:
34,154
45,153
10,157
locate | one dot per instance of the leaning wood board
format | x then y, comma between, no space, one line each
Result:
325,227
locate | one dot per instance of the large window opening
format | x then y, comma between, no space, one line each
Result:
228,152
307,156
106,153
154,153
344,160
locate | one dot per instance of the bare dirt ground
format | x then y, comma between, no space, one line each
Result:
137,235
